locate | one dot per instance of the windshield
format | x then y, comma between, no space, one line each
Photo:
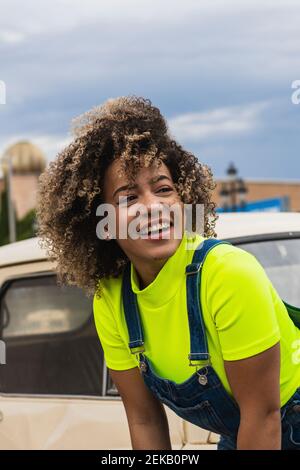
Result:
281,261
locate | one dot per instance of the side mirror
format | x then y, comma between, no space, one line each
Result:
4,320
4,312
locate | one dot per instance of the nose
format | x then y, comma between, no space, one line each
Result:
151,212
151,207
149,198
151,204
150,201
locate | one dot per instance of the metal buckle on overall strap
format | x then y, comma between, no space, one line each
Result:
137,351
199,361
195,270
202,377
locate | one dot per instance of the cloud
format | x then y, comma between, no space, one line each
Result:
220,122
51,144
200,62
11,36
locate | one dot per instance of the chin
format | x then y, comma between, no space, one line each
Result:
160,249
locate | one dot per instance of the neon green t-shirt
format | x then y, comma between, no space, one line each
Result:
242,312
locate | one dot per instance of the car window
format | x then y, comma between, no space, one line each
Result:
281,260
37,306
52,346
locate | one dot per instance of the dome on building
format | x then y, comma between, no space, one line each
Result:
26,158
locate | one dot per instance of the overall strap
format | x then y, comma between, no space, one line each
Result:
199,347
136,338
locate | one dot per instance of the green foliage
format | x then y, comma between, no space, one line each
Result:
25,227
4,239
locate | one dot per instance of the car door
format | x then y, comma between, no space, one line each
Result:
279,254
55,392
52,386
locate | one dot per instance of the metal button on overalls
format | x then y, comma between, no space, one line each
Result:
143,366
202,379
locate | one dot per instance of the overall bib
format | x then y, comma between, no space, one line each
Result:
202,398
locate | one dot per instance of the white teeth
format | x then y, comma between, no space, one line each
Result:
155,228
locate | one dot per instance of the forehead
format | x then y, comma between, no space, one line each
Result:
113,179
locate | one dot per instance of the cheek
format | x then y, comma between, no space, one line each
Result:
175,199
122,221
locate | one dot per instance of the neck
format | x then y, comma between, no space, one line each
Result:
147,271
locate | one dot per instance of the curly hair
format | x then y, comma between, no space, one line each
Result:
71,187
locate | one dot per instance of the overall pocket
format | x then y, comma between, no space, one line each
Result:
202,414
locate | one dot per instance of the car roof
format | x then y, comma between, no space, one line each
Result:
244,224
21,252
228,226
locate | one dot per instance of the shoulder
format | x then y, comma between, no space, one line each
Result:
108,293
233,278
228,258
229,271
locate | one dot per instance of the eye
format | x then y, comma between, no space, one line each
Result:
165,189
125,199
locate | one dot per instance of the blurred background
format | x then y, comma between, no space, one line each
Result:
221,72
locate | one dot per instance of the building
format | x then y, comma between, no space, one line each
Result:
27,163
260,188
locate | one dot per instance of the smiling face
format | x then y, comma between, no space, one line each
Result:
153,190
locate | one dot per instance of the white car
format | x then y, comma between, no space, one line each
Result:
55,391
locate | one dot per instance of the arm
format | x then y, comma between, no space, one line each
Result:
242,305
146,416
255,384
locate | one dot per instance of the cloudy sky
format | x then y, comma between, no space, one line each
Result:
220,71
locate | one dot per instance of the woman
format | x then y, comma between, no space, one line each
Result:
154,319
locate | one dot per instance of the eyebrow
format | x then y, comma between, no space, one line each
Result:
152,180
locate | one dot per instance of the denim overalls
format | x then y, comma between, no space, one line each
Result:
202,398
